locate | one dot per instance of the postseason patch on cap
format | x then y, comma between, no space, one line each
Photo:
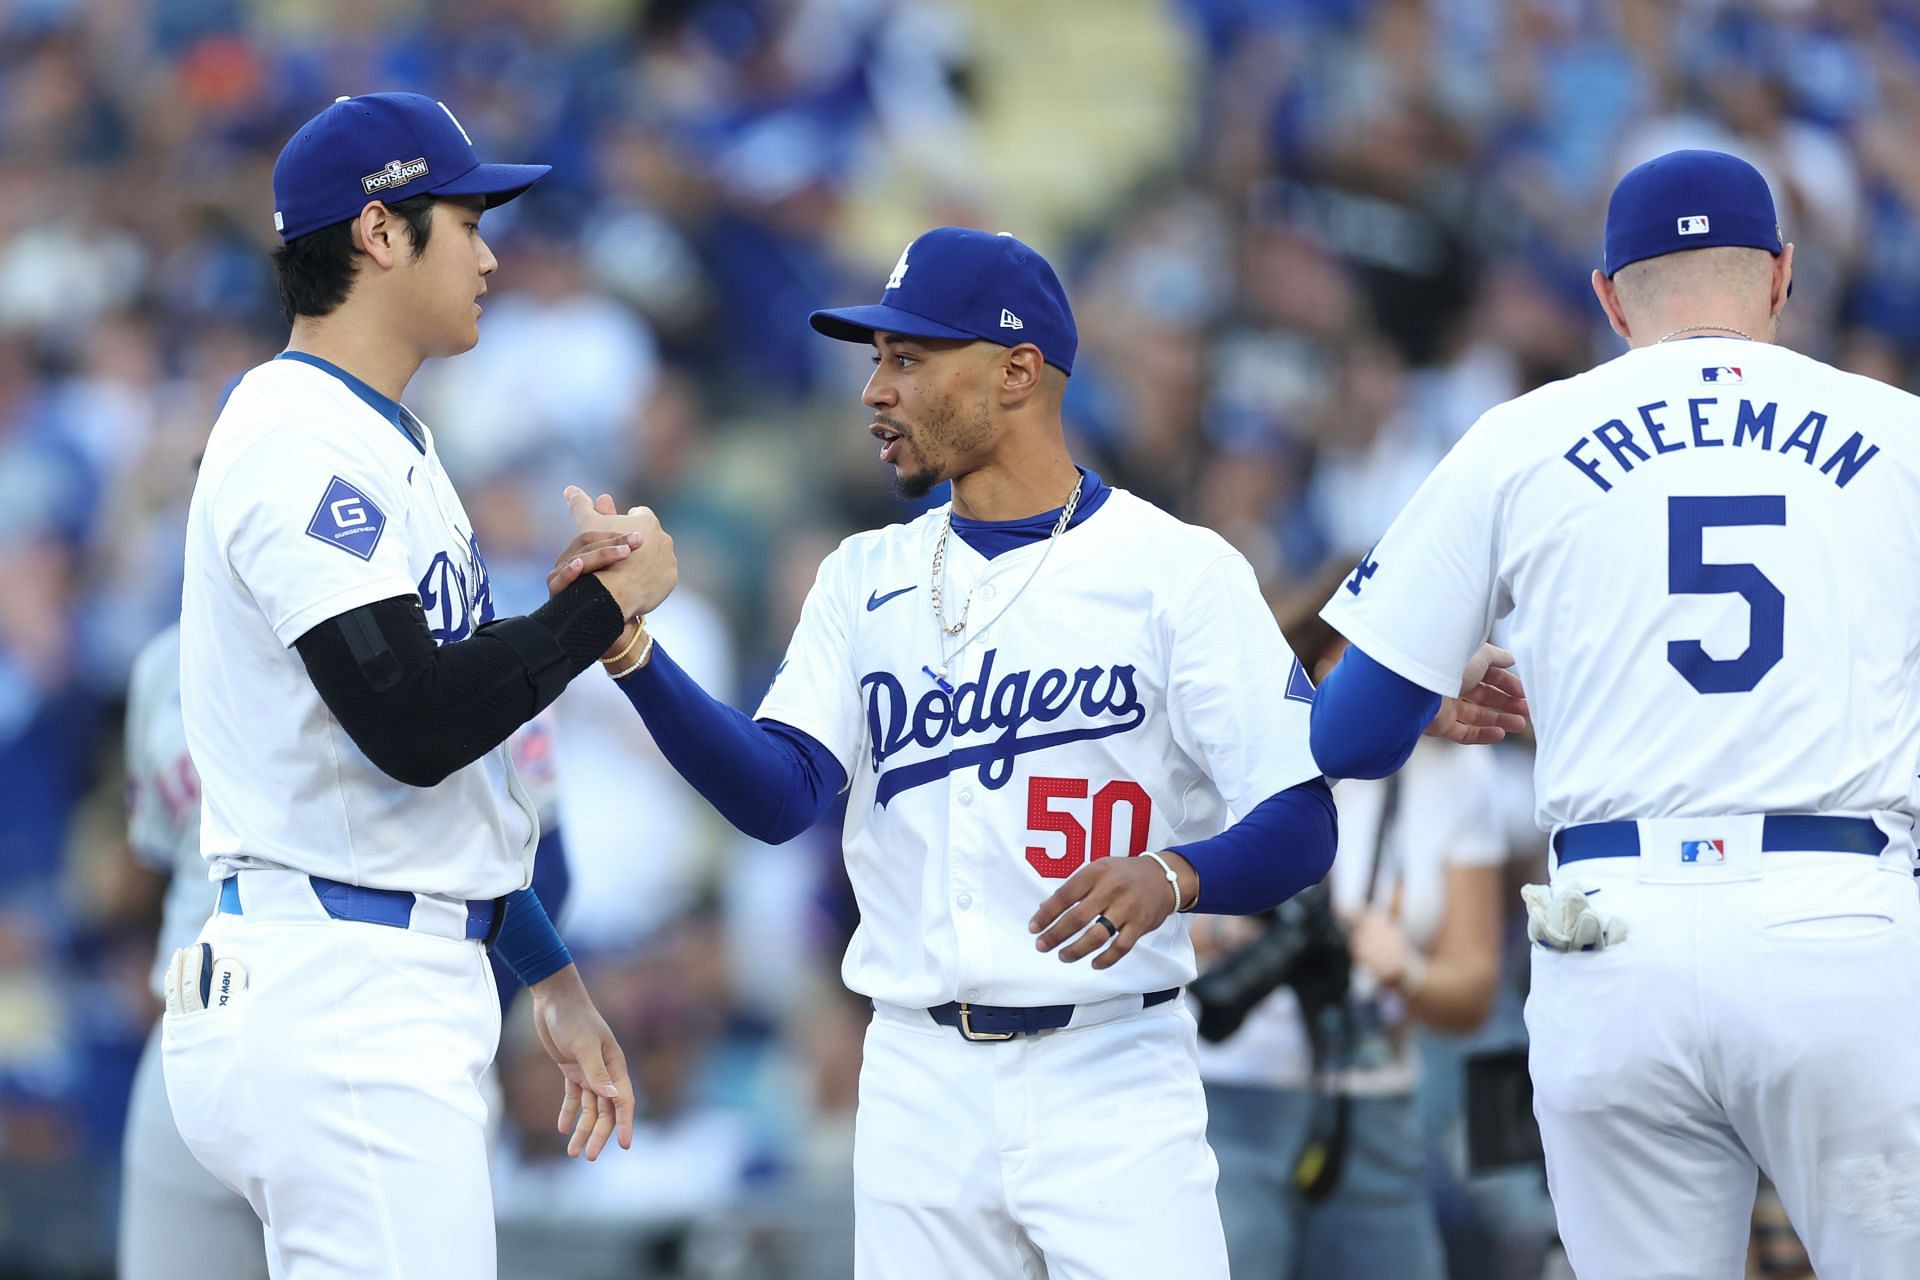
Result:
346,518
396,173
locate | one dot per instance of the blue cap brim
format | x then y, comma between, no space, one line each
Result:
857,324
499,183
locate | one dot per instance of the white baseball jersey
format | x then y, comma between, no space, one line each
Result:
316,496
1705,550
1127,692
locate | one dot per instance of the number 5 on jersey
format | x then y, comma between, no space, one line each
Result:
1688,573
1044,815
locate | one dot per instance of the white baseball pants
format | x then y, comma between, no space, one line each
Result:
1077,1154
1770,1023
340,1094
176,1221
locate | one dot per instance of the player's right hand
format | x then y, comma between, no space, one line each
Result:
588,553
647,575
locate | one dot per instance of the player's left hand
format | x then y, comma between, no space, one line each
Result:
1491,705
598,1102
1132,893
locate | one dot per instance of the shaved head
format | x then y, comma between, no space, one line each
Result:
1726,272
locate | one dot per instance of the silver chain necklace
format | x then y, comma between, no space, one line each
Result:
940,560
939,566
1706,328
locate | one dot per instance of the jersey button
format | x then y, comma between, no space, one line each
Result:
966,798
964,901
972,994
986,593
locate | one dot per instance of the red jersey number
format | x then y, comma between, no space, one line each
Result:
1045,815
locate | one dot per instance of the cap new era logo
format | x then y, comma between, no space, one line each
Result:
1008,320
1694,226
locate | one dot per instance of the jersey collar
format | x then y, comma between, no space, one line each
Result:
996,537
392,410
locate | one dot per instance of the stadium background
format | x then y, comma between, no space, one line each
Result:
1308,241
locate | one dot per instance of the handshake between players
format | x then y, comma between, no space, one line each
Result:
630,554
633,556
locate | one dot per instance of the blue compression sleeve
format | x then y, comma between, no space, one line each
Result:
1366,719
768,779
551,880
1282,847
527,942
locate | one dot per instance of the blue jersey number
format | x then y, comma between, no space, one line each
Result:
1688,574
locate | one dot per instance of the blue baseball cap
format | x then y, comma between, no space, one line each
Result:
382,146
955,282
1689,200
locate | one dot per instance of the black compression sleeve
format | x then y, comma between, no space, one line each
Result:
419,710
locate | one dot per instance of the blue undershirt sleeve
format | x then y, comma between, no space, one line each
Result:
1366,719
768,779
527,942
1285,845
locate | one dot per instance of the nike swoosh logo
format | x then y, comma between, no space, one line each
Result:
875,599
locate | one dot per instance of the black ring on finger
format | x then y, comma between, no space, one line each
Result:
1113,930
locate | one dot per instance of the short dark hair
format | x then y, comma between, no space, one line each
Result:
315,272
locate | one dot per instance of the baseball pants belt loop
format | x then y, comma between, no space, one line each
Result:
265,898
984,1023
1779,833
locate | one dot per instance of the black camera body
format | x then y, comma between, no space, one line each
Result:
1305,947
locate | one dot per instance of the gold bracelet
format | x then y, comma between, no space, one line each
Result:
638,662
640,629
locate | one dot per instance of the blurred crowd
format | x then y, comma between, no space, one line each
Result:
1308,242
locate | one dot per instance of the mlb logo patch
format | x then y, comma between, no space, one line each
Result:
346,518
1723,373
1703,851
1693,226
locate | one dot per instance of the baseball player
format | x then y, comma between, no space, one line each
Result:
347,691
1703,550
1047,699
176,1221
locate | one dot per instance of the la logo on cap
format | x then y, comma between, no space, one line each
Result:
899,270
1694,226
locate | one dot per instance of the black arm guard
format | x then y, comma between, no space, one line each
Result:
419,711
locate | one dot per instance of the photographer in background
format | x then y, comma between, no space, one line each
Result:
1310,1100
